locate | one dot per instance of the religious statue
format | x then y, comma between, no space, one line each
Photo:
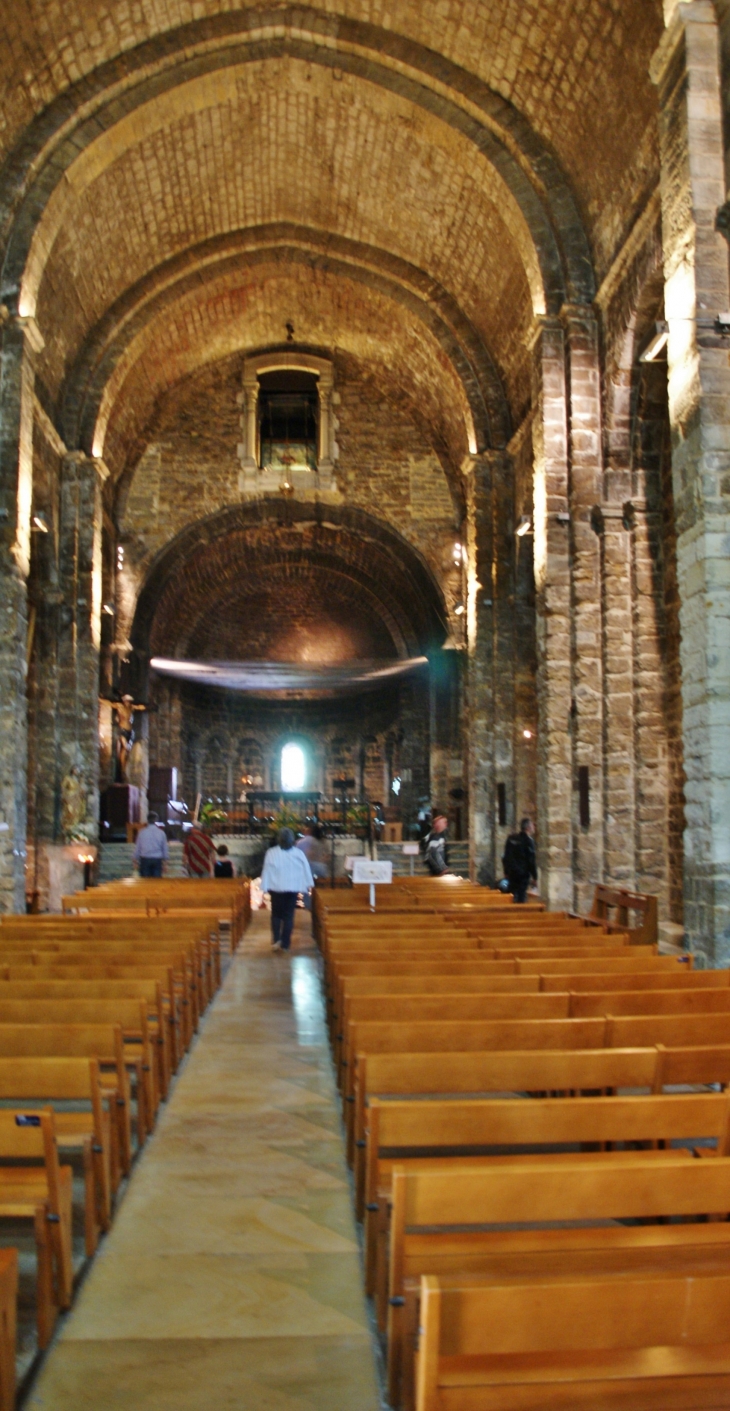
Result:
138,768
73,801
124,711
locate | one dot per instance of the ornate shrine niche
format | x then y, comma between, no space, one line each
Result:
288,424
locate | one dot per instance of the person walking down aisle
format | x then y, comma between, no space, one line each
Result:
520,861
285,874
436,855
151,850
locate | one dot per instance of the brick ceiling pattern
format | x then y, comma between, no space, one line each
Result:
336,151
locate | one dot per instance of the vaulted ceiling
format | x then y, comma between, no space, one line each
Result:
413,182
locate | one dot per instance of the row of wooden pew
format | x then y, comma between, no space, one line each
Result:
538,1121
97,1008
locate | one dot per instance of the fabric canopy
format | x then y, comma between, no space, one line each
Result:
273,676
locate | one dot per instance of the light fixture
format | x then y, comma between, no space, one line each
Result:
39,523
524,527
459,609
657,343
458,554
527,734
120,557
108,609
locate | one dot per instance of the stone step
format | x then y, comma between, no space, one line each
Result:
115,861
393,852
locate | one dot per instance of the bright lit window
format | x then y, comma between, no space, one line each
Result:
293,768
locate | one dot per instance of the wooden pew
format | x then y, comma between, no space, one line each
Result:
580,1072
175,987
442,1007
400,1132
137,997
34,1037
613,906
623,1031
134,930
431,1208
43,1081
184,964
8,1322
653,1341
700,1001
41,1194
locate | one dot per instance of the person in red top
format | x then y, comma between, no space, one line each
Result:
198,853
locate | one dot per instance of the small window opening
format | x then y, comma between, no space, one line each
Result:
293,768
288,419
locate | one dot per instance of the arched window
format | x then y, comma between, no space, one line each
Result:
293,768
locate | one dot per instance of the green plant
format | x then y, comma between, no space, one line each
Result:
286,818
357,816
210,814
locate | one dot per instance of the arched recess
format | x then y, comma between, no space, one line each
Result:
109,97
392,577
90,388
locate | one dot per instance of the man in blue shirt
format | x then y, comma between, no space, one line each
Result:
151,850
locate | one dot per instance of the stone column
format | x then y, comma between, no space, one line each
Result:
479,704
586,491
20,342
619,796
553,605
80,630
506,650
325,459
249,449
686,69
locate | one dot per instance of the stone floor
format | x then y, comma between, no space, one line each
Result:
231,1277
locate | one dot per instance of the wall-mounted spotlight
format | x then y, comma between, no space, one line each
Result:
108,609
524,527
39,523
458,554
527,734
120,557
657,343
459,609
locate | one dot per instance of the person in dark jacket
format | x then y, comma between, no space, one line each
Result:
520,860
223,866
436,855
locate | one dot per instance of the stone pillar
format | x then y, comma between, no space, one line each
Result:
479,712
553,605
686,70
249,449
586,491
619,796
325,458
79,640
20,342
506,649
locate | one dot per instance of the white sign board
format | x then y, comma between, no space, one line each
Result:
349,863
411,849
378,873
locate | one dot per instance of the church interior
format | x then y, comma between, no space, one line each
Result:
364,462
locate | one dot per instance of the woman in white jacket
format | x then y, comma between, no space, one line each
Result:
286,873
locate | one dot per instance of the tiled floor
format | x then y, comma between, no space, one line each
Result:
231,1278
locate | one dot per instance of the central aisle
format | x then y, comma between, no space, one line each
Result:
231,1278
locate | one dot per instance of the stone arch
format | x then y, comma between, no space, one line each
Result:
387,569
531,174
92,384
